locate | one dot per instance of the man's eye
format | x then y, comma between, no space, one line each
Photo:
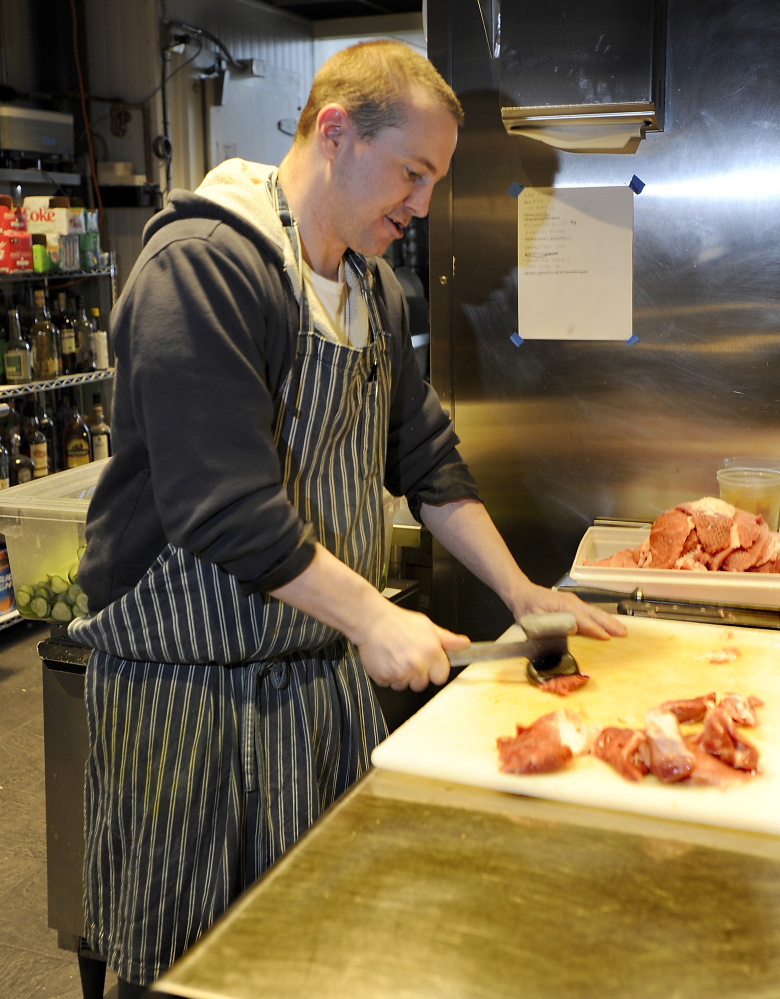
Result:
412,175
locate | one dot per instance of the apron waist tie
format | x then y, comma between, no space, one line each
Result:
279,672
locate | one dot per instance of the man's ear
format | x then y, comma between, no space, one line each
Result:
332,128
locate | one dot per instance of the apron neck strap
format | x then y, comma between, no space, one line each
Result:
356,261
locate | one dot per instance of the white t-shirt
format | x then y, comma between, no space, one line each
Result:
333,297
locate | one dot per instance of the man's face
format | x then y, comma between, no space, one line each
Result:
378,184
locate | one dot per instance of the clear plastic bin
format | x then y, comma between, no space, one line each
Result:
43,523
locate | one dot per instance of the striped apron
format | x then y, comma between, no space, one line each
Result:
221,726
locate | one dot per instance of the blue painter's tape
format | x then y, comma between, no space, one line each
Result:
516,339
636,185
632,340
515,189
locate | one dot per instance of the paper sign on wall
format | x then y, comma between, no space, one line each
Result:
575,263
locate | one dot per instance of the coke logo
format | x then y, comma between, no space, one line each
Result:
42,214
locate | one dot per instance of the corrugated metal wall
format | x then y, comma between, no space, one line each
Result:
125,43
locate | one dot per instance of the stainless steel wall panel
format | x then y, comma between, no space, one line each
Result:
560,433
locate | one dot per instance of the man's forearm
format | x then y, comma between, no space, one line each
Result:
398,647
331,592
467,531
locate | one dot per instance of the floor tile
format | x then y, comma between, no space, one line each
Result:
24,975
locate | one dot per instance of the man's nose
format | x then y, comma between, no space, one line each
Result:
419,201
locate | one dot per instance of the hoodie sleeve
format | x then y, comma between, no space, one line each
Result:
199,336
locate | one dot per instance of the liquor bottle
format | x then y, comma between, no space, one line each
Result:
99,341
85,359
101,435
5,467
62,415
18,357
29,423
76,441
20,466
34,443
45,341
59,309
12,423
67,326
39,454
49,431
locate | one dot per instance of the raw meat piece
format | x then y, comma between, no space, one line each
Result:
691,710
741,710
769,559
720,738
670,759
625,749
709,771
546,745
706,535
626,558
751,532
749,527
668,536
713,520
563,685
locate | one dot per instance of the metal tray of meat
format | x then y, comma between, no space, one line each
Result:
758,589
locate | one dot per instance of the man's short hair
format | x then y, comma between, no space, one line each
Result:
372,81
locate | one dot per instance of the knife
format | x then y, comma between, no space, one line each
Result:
637,604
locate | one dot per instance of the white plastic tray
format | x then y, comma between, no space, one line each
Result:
753,588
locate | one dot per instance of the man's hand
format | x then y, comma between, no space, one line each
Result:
591,621
398,648
401,648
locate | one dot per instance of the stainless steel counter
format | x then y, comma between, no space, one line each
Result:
417,889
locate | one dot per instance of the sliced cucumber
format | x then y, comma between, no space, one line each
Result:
23,597
81,602
73,572
39,607
58,584
61,611
73,591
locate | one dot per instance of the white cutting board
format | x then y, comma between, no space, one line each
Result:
453,737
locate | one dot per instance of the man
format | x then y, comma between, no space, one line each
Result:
266,389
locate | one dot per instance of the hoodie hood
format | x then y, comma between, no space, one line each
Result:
242,188
234,193
240,194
